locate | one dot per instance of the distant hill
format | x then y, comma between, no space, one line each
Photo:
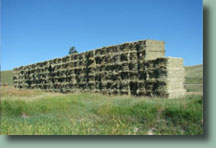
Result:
193,78
194,74
7,77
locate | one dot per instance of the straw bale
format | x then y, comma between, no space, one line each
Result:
134,68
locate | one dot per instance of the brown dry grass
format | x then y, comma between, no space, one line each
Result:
24,94
11,91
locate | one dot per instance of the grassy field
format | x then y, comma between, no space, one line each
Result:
34,112
194,78
194,74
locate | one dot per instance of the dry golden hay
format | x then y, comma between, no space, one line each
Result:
134,68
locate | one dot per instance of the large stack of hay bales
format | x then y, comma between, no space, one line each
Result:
134,68
163,77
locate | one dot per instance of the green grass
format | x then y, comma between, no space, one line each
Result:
33,112
94,114
194,87
7,77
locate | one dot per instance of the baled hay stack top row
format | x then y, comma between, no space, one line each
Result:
134,68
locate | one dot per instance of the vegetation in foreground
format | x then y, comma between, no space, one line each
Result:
32,112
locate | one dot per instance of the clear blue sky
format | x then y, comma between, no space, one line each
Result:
39,30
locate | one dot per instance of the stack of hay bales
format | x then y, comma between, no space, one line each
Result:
164,77
134,68
175,77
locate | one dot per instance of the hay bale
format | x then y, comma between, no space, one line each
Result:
135,68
